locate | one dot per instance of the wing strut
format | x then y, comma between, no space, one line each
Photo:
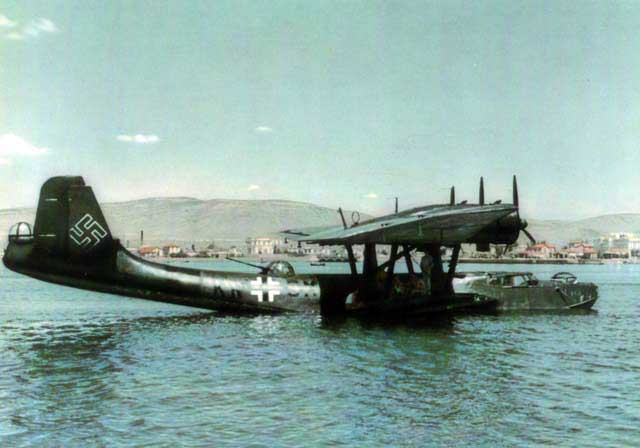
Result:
407,257
392,263
453,263
352,261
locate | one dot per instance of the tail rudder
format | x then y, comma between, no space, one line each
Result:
69,221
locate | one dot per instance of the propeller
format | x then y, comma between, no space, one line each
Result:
396,205
516,203
524,230
452,196
521,223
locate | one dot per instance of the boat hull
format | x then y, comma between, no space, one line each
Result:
422,306
541,296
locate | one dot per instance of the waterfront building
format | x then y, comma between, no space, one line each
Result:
615,252
579,250
235,252
618,245
150,251
541,250
171,250
221,253
262,245
634,246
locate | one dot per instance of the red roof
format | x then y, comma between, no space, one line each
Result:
539,246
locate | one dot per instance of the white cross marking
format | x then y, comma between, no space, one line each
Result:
272,289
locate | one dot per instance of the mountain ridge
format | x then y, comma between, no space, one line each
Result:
184,219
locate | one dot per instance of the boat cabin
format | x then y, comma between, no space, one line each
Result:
512,279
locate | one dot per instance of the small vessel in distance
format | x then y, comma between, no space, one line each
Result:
516,291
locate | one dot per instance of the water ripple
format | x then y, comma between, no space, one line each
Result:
82,369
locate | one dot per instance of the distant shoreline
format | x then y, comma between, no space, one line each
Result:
526,261
312,259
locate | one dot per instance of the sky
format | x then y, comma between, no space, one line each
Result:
336,103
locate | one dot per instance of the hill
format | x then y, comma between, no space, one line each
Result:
561,232
232,221
192,220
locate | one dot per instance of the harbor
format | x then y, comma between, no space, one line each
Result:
319,224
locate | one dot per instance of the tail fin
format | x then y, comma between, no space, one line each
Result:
69,221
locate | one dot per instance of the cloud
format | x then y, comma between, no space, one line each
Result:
31,29
5,22
263,129
253,187
371,196
12,145
138,138
14,36
45,25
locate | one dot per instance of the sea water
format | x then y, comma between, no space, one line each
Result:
80,368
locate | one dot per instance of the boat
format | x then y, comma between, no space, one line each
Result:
523,291
421,306
336,258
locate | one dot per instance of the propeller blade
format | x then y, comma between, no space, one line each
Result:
396,204
531,238
515,191
452,196
481,191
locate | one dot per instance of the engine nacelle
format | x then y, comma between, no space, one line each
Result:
503,231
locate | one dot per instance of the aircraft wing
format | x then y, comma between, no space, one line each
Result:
445,225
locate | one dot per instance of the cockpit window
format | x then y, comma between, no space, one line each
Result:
521,280
281,269
20,233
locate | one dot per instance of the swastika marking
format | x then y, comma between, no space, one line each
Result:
87,232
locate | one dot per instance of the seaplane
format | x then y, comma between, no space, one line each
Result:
71,245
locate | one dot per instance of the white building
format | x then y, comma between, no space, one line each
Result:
171,250
622,243
262,245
